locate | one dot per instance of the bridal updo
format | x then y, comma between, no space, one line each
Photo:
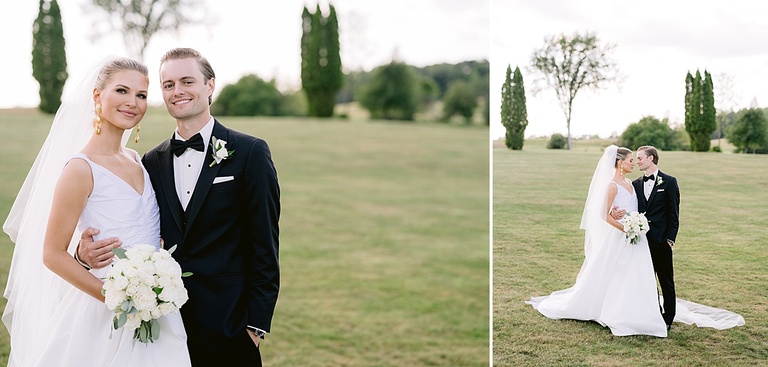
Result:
621,154
117,65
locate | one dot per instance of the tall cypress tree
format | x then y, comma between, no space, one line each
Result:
506,107
519,110
708,112
49,60
693,126
690,114
700,113
321,75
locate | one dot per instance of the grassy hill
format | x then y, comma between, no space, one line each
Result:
384,236
720,258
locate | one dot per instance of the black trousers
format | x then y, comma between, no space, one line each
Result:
242,353
661,255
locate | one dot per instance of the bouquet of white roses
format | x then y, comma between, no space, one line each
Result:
143,285
635,225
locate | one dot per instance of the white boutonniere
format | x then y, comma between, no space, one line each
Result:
220,152
659,180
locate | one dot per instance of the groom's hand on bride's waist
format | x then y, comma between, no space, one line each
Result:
617,213
95,254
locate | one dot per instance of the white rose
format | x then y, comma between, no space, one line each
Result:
133,322
120,282
114,298
145,299
168,268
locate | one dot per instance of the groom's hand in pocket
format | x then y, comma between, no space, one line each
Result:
256,339
96,254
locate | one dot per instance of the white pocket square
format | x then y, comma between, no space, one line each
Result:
223,179
659,190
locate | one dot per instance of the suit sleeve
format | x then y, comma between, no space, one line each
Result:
673,208
263,235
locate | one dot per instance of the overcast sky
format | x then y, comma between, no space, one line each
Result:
261,37
658,41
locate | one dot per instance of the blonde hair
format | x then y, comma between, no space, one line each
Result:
622,154
113,67
651,151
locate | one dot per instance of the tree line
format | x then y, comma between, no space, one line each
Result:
392,91
570,63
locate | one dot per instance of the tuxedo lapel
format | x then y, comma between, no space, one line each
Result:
207,174
641,202
165,157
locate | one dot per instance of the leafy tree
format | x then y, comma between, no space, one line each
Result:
252,96
321,74
557,141
49,60
392,92
475,72
460,100
140,20
568,64
750,132
650,131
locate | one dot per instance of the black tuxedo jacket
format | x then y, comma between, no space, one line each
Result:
662,207
228,239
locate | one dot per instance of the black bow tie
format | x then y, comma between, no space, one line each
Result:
646,178
180,146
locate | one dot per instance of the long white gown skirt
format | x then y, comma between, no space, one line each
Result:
616,287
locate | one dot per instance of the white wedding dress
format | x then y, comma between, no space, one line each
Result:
81,332
616,286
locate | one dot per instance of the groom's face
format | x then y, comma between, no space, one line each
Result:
643,160
185,90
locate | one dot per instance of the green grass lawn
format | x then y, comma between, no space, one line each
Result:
384,236
720,258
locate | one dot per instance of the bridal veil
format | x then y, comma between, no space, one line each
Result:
33,291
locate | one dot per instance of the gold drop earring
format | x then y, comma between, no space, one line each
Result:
138,128
97,119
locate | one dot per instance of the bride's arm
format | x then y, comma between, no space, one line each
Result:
610,195
69,199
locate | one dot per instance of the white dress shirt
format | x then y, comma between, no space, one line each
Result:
187,166
648,185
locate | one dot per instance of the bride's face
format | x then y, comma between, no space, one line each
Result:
124,99
628,164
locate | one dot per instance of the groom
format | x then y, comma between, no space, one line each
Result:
658,196
222,212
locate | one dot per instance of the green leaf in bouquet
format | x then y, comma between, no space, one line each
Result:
126,305
120,320
141,333
186,274
157,290
119,252
155,330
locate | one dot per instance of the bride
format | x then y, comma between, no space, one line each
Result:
616,286
84,177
